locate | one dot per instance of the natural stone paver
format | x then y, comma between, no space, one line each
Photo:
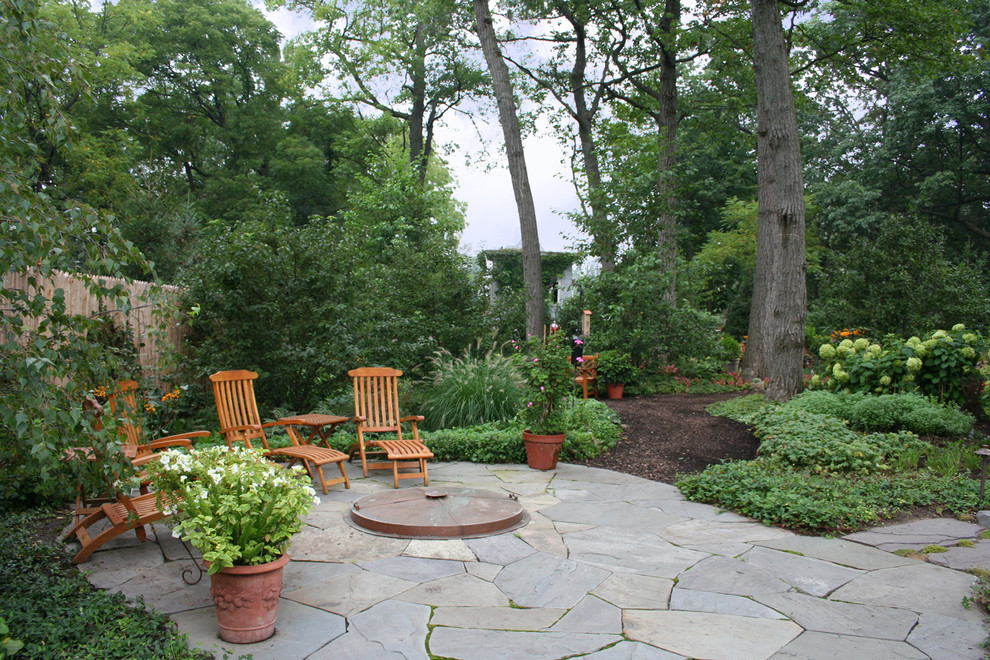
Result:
497,618
164,590
299,631
627,590
698,532
502,549
823,646
611,514
544,581
487,572
919,587
916,535
730,576
837,551
627,541
964,558
298,574
703,635
457,591
352,645
454,549
591,615
811,576
632,651
110,569
343,543
829,616
706,601
946,639
350,593
511,645
544,540
399,627
416,569
629,550
698,511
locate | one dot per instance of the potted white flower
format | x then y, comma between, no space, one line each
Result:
240,510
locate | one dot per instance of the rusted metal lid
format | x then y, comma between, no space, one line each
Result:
432,513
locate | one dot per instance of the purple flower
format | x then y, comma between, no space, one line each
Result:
528,405
578,342
535,360
542,388
579,359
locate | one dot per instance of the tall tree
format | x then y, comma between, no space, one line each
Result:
404,58
509,119
775,347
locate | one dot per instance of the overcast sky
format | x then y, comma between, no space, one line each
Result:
484,185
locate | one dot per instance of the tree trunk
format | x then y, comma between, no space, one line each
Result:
532,267
603,236
775,347
417,90
667,129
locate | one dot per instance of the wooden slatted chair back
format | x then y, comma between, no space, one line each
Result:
237,409
124,406
376,398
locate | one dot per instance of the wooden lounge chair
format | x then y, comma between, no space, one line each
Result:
122,514
240,422
124,406
586,374
376,410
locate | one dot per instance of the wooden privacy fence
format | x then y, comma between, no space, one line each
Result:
141,319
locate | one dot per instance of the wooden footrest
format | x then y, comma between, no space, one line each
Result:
403,450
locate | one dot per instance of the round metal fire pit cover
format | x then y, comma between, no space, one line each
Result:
420,513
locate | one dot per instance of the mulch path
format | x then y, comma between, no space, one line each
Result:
671,434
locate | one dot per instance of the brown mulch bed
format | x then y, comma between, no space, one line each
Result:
671,434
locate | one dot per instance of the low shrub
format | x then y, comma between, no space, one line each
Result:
938,366
592,428
802,500
886,412
822,443
741,408
56,613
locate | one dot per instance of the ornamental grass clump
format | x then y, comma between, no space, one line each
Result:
549,377
233,505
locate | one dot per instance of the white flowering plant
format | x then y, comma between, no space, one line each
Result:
233,505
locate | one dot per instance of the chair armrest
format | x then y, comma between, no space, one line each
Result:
177,440
268,425
139,461
358,419
413,418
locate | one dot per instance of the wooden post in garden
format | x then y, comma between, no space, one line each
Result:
586,323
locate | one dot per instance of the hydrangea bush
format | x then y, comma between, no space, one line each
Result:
937,366
233,505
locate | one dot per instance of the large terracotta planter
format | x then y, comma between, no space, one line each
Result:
614,390
246,599
542,451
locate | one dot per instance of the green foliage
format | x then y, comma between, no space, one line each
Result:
237,508
8,645
814,503
47,368
887,282
591,428
886,412
741,408
548,375
938,366
614,366
822,443
58,614
471,390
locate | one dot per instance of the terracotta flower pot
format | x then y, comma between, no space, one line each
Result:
246,599
542,451
614,390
